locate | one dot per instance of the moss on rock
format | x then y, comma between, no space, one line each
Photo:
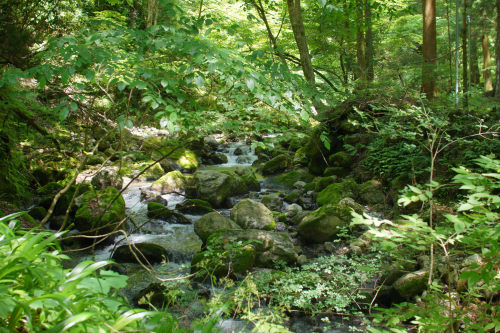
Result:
323,224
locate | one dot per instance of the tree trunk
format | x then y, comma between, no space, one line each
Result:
370,74
497,52
488,82
152,12
360,42
465,79
295,15
474,65
429,48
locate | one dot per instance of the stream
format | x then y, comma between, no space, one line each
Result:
180,240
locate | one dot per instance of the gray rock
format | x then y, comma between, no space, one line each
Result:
212,186
211,223
251,214
273,201
323,224
152,252
412,284
107,177
172,182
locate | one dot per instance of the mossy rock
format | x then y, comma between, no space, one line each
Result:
270,246
154,172
333,193
315,152
243,179
213,186
290,178
211,223
171,182
340,159
412,284
152,252
194,206
292,197
92,212
372,192
339,172
250,214
222,262
300,158
280,217
50,188
323,182
276,165
272,201
38,212
158,211
324,223
64,200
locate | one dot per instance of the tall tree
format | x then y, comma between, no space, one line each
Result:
295,14
429,48
364,40
474,65
485,43
497,52
465,71
370,73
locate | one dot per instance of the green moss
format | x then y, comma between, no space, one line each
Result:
276,165
93,214
323,224
158,211
38,212
279,216
194,206
288,179
333,193
340,159
292,197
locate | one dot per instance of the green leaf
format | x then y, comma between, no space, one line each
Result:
121,85
73,106
63,114
250,83
199,81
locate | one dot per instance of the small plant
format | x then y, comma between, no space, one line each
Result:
37,294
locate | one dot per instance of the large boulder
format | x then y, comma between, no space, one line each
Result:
171,182
153,253
158,211
269,246
276,165
412,284
94,213
213,186
211,223
250,214
273,201
335,192
300,158
194,206
372,192
324,223
107,177
340,159
243,179
290,178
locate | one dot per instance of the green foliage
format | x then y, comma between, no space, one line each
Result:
326,283
37,294
473,228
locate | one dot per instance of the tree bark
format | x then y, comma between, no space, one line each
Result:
488,82
474,65
465,79
370,73
497,52
360,42
298,29
429,48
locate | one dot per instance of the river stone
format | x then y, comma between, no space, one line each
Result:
152,252
223,260
273,201
213,186
276,165
333,193
171,182
290,178
243,179
150,196
211,223
300,158
170,165
292,210
38,212
371,192
158,211
269,246
323,224
412,284
92,211
107,177
250,214
194,206
340,159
